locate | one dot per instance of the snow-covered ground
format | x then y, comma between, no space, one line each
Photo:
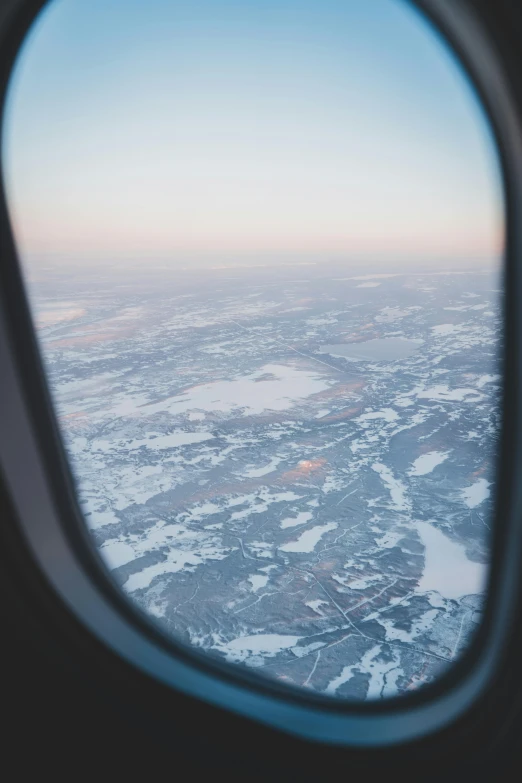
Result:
264,496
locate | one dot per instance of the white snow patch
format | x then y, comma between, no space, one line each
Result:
153,442
396,487
258,472
176,560
258,581
258,508
308,540
299,652
443,329
476,493
487,379
383,675
248,395
388,414
447,569
346,674
116,553
266,644
442,392
381,683
362,584
301,519
419,625
333,483
315,606
203,510
428,462
389,539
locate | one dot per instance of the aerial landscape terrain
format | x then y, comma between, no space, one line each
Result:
290,468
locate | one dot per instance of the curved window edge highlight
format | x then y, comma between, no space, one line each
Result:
339,723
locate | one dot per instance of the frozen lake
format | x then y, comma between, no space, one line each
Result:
385,349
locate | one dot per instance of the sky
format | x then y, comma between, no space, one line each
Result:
238,131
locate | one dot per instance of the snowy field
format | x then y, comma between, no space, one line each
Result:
292,475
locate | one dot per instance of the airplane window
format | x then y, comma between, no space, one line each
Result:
262,243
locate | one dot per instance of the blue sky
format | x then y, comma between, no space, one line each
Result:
218,130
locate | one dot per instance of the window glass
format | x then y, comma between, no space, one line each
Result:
262,243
